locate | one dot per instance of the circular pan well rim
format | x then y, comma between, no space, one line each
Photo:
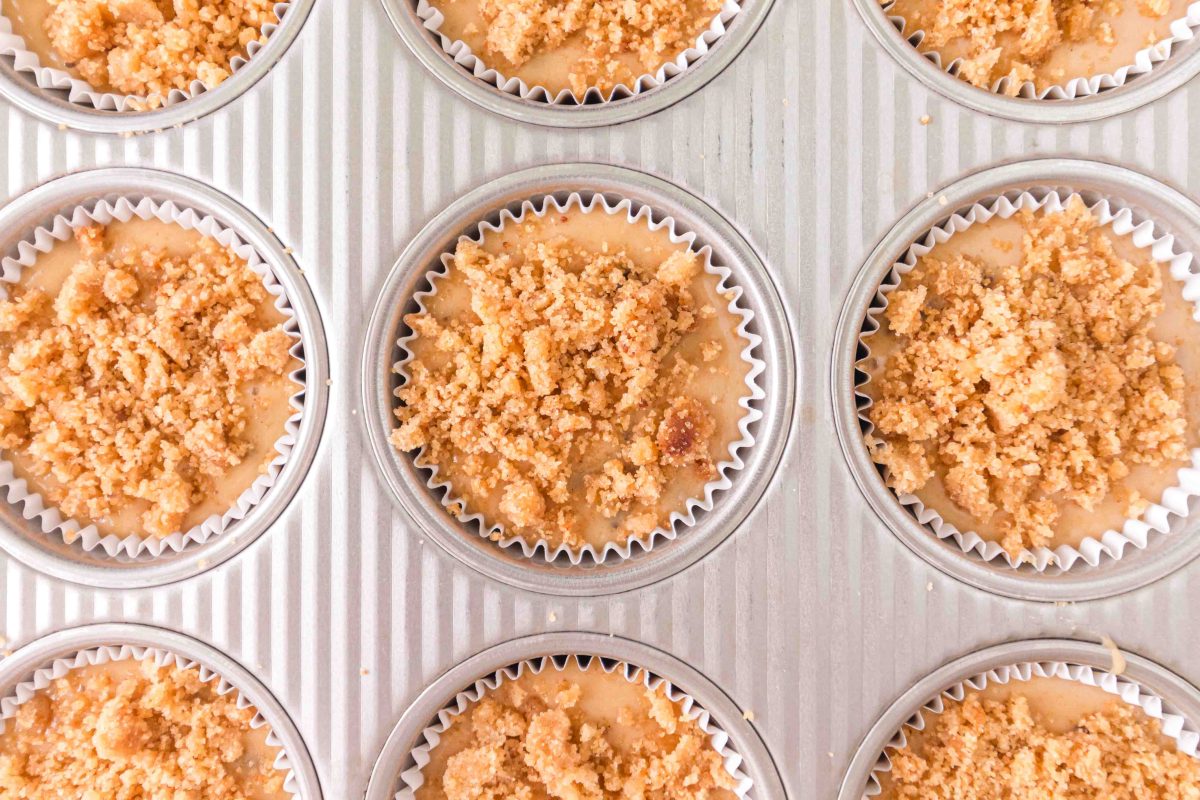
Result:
405,482
21,90
1137,568
1166,77
62,643
24,540
1173,689
428,50
392,760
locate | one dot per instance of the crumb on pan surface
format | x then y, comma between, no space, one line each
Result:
149,47
125,385
141,732
1013,38
1028,386
540,741
980,749
655,31
562,392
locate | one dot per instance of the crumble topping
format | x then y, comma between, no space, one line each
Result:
144,732
1011,39
564,386
525,745
126,385
981,749
655,31
149,47
1031,385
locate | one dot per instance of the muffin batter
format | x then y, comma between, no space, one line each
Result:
143,377
576,378
577,734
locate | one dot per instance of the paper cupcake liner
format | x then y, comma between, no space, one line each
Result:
691,708
1136,533
80,92
95,656
1174,726
641,215
31,504
431,18
1144,61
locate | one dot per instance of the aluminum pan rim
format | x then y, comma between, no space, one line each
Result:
425,46
1167,76
62,643
23,540
1135,569
778,379
385,776
20,89
1155,677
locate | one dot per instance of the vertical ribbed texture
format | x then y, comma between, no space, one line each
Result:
812,616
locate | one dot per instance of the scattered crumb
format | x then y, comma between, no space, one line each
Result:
1118,659
552,617
1032,385
141,47
925,119
124,387
129,730
364,672
942,200
929,586
748,715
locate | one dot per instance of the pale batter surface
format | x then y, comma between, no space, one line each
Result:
140,47
130,730
576,44
578,735
1047,42
1031,380
1046,738
576,378
143,377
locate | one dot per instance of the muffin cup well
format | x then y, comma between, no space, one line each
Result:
431,18
95,656
136,546
12,45
641,215
1174,725
1145,61
412,779
1156,519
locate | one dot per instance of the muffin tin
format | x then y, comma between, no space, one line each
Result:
796,612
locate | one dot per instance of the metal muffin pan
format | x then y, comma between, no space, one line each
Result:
1178,695
20,89
396,756
22,538
407,482
1181,67
1149,199
69,641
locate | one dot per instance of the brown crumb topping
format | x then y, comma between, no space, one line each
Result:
523,746
561,388
654,31
1029,386
149,47
982,749
1011,40
126,386
127,734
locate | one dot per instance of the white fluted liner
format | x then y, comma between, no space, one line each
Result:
48,517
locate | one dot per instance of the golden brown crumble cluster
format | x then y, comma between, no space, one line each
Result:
149,47
1031,384
523,747
568,354
1026,31
125,386
151,732
653,30
980,749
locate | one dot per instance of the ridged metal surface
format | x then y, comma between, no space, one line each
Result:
812,615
